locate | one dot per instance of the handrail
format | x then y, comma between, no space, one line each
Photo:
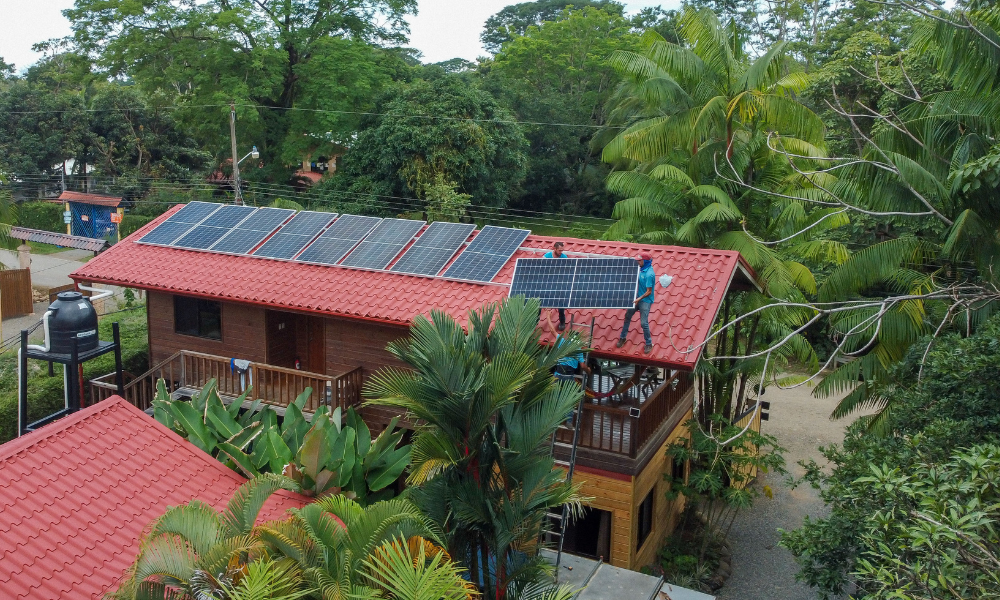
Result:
626,429
278,386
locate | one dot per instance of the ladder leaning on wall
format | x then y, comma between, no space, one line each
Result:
560,519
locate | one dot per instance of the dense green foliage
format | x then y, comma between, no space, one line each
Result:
487,406
321,452
438,126
933,465
46,216
332,548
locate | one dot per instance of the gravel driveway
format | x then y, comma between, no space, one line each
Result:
761,569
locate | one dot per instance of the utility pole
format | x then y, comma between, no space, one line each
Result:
236,159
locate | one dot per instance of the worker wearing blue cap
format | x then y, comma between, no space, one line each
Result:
642,304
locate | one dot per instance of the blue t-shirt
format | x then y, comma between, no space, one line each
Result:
573,360
549,255
647,281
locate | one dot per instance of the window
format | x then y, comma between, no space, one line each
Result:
677,471
645,518
201,318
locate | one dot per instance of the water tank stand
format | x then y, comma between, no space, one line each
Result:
71,367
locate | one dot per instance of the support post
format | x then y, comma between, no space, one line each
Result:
73,381
119,381
22,385
238,198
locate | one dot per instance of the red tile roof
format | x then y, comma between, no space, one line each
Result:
75,496
682,314
87,198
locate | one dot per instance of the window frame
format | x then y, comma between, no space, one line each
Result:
202,311
644,516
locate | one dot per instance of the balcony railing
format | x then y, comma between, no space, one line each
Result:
277,386
625,428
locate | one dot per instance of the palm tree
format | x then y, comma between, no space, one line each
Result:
487,406
345,549
698,165
200,552
938,164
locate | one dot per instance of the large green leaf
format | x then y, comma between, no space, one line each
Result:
271,451
190,420
240,458
389,469
219,417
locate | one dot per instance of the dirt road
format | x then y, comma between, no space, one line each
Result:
761,569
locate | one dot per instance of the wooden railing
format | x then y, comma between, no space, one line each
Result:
626,429
275,385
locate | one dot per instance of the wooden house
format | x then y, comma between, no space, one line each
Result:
327,327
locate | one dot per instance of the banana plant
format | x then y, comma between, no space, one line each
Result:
325,453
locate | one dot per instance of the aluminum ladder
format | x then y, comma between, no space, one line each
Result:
575,418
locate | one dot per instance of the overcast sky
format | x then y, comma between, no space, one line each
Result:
443,29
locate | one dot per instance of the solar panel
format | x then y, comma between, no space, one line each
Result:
180,222
487,254
382,245
433,249
577,282
216,225
338,240
252,230
295,235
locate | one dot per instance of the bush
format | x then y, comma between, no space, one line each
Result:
132,223
45,394
46,216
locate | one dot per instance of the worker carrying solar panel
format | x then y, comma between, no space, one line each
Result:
642,304
557,252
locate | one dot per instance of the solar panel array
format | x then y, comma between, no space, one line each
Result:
180,223
433,249
351,241
339,239
487,254
382,245
577,282
216,225
252,231
295,235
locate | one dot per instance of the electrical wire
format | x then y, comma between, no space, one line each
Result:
315,110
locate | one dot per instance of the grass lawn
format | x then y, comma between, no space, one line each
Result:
40,248
45,394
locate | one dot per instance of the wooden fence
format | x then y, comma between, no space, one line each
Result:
15,293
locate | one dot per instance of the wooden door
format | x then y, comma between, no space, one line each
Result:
316,355
281,338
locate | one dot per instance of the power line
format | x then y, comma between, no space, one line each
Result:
316,110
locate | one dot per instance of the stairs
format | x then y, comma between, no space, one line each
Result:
559,520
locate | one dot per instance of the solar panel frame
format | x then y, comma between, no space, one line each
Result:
252,230
209,231
179,223
294,235
340,238
488,252
433,249
579,283
383,244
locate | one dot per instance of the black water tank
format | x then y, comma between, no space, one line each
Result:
73,316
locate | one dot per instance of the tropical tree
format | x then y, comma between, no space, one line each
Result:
348,551
487,406
929,171
698,165
198,551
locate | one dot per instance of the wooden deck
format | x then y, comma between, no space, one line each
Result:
277,386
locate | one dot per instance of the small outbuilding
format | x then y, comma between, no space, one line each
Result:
92,215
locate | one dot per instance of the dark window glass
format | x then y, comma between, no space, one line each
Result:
201,318
678,470
645,518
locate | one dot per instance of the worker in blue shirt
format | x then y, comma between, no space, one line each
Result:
557,252
568,366
647,281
